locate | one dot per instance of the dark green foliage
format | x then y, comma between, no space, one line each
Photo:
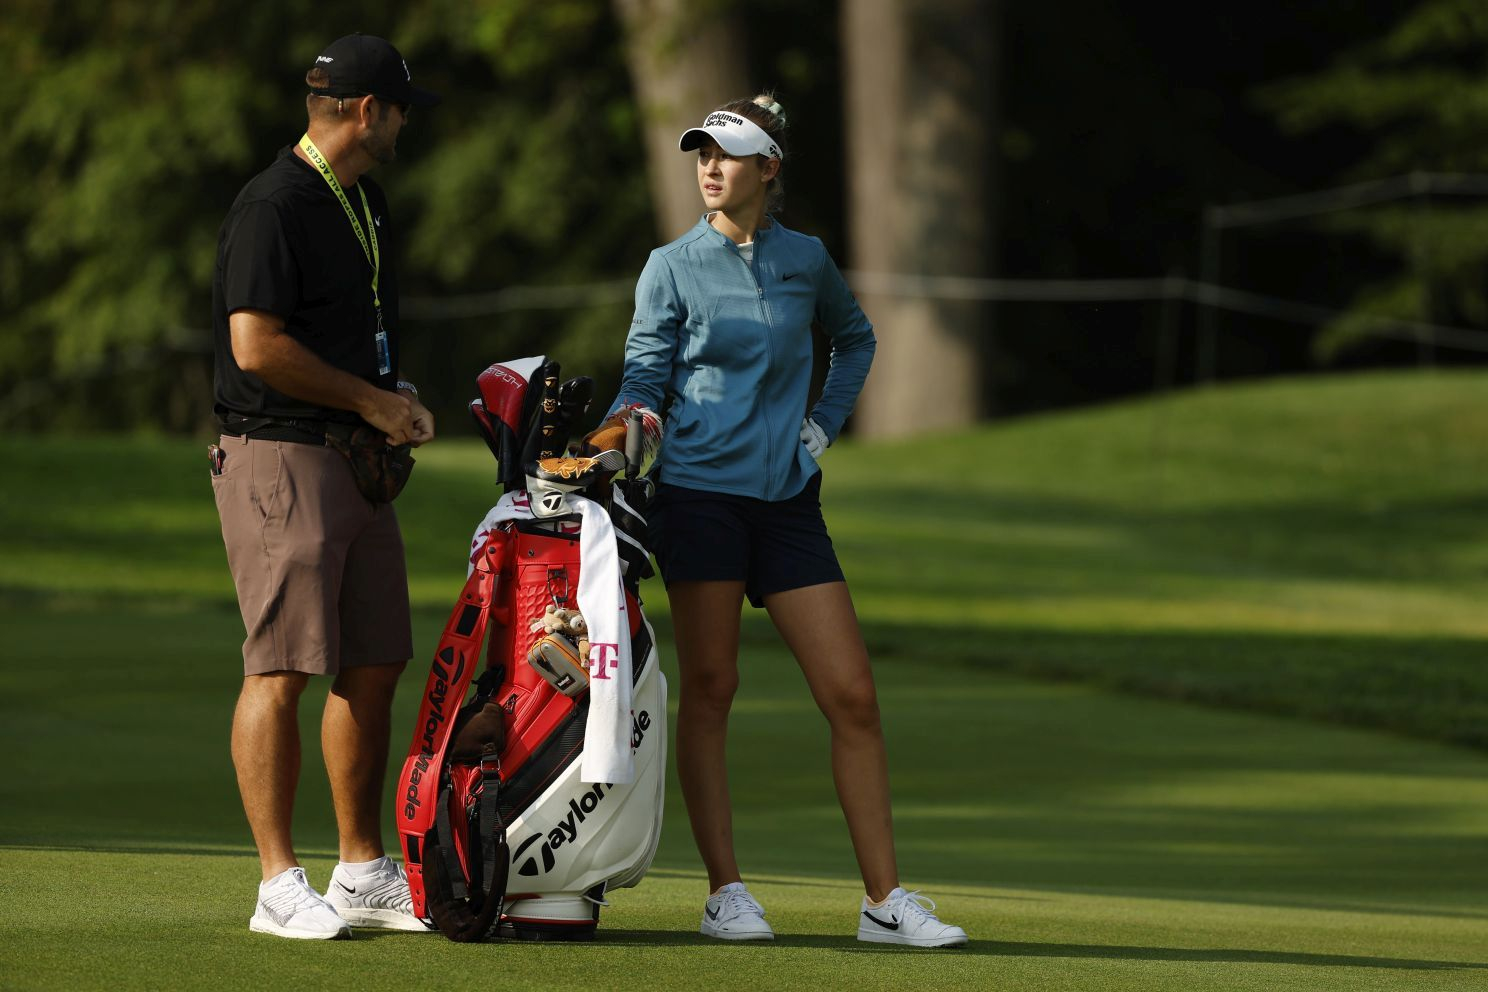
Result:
129,127
1419,96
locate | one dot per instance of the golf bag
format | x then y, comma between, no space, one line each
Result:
507,827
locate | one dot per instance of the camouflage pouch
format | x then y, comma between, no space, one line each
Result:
380,469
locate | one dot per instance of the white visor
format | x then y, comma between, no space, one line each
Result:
734,134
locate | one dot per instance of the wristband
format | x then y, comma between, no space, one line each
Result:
405,384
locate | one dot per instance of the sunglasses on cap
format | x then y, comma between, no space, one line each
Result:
402,106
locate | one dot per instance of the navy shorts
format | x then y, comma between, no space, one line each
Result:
701,536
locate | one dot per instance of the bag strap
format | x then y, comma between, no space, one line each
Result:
495,854
454,664
445,839
462,914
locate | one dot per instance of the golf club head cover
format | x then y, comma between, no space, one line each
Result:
610,435
573,402
577,472
543,441
504,409
550,479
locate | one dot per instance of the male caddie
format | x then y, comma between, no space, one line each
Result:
305,320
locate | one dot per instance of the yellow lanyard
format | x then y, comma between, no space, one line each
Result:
374,258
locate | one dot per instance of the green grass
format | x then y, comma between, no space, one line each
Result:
1310,547
1291,549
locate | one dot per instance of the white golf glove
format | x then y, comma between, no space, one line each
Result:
814,438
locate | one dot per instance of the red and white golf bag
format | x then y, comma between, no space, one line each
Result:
520,806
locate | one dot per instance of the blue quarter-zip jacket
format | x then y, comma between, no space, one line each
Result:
729,344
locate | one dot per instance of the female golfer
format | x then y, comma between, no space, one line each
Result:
722,331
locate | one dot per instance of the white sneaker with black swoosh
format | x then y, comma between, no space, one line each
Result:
731,913
374,895
906,918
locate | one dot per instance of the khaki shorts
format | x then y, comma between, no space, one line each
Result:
319,569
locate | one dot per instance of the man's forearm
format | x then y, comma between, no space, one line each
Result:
288,367
260,346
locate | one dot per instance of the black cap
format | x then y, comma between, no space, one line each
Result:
362,64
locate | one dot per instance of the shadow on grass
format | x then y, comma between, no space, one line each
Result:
1435,688
1222,955
201,851
1002,949
1045,542
607,938
1270,900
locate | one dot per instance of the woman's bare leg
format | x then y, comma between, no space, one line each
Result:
705,618
821,628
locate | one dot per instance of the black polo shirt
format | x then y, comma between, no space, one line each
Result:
287,248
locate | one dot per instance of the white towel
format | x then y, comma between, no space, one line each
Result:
607,755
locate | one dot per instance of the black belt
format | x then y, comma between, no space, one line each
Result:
300,430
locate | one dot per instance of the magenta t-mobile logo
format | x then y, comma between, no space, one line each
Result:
603,658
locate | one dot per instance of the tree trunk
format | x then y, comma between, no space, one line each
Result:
685,59
922,177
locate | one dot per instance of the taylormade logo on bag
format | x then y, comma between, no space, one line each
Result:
542,860
566,832
639,724
437,697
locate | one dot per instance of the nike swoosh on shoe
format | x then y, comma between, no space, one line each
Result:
883,923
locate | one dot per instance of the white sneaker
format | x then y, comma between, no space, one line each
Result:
733,914
374,895
906,918
289,907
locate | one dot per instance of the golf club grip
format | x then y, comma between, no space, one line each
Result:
634,445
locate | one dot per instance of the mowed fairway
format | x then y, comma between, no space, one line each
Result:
1186,694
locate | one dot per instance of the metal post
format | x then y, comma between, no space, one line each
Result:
1426,337
1209,263
1165,368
